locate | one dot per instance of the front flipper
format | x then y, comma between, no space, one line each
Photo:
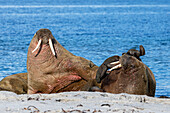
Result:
142,50
101,72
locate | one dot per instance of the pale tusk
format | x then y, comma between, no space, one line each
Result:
39,43
115,67
51,46
117,62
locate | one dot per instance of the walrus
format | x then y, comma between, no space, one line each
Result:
16,83
51,68
128,75
111,63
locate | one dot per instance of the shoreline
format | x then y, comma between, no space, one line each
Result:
80,101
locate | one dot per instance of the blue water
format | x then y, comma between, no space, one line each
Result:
95,29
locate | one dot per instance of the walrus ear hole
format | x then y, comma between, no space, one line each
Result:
142,50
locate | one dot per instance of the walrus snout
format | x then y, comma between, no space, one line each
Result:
45,39
44,36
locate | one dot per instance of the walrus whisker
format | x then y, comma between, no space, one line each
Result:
51,46
117,62
115,67
39,43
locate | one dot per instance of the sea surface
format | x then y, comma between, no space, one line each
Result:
93,29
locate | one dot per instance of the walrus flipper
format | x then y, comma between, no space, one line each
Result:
136,53
101,72
151,82
142,50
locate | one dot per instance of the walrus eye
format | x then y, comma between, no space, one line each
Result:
38,45
51,46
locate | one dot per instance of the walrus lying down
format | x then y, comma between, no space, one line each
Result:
51,68
127,74
16,83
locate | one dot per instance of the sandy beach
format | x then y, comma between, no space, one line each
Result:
81,102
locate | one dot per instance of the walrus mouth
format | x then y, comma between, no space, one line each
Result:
116,65
50,44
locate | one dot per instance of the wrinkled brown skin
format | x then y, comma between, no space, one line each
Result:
16,83
63,72
102,70
134,77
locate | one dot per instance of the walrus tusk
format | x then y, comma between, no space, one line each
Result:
51,46
117,62
115,67
39,43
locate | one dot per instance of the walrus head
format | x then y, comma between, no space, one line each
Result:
44,36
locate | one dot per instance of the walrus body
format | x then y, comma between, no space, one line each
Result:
51,68
16,83
132,77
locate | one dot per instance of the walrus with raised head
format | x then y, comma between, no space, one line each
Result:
51,68
127,74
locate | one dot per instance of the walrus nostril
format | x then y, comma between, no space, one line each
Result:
38,45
